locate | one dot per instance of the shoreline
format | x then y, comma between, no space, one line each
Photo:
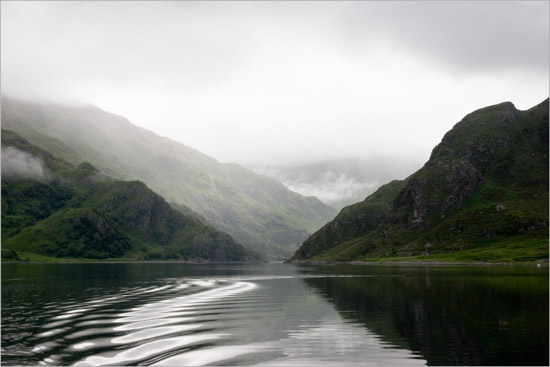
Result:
541,263
90,261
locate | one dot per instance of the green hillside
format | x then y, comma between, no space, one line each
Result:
257,211
78,212
482,196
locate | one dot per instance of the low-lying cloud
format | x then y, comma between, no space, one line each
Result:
339,183
332,186
16,164
335,189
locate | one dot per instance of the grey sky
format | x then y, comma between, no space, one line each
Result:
282,82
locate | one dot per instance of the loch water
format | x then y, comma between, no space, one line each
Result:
172,314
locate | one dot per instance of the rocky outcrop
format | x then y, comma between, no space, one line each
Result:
441,186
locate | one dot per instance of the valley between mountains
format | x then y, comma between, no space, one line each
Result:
82,183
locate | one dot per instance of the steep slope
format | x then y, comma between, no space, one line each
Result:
484,189
80,212
258,211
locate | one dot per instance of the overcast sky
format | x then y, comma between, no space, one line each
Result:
282,82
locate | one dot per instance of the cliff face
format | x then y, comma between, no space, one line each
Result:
486,182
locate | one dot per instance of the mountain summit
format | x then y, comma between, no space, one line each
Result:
483,192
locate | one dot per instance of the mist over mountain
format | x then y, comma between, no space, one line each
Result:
341,182
79,212
16,163
259,212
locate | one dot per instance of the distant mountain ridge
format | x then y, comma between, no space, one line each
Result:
340,182
257,211
79,212
483,192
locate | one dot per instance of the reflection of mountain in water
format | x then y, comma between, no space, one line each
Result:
448,317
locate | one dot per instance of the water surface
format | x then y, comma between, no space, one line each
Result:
172,314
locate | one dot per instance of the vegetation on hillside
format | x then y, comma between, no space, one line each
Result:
257,211
482,196
79,212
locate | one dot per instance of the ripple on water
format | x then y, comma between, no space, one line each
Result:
147,350
204,321
163,322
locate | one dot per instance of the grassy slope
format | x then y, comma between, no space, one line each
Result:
258,211
482,196
79,212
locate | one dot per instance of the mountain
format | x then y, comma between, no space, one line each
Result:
482,196
257,211
340,182
51,208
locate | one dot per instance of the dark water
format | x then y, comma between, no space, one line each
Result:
273,314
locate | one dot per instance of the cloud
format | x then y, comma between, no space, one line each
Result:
277,82
341,182
169,45
460,36
16,163
333,188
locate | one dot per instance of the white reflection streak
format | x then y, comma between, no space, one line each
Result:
149,317
207,356
153,333
158,289
150,323
203,283
83,345
147,350
174,306
327,344
333,343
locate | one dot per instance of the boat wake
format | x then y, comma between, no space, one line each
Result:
273,320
